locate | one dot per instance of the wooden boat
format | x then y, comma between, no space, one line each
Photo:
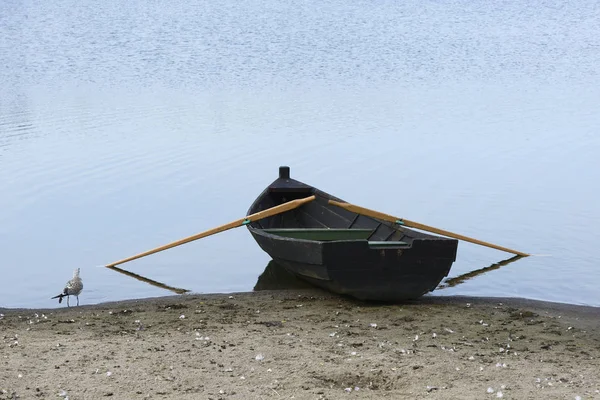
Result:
345,252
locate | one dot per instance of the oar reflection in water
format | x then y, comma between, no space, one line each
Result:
451,282
150,281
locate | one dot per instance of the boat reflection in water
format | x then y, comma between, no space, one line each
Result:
276,277
451,282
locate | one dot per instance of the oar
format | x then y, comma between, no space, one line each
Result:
290,205
416,225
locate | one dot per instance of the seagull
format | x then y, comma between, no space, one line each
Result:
72,288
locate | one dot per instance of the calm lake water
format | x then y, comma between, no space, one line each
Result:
128,125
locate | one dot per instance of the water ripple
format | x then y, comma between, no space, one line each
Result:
124,125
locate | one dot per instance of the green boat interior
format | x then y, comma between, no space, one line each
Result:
330,234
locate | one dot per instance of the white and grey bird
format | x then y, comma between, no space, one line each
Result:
72,288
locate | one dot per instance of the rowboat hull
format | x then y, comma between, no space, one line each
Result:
347,253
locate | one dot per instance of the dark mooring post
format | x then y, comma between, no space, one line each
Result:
284,172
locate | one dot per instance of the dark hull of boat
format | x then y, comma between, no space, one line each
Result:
347,253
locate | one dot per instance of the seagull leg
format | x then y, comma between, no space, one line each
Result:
68,301
77,299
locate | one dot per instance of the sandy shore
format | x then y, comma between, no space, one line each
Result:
302,344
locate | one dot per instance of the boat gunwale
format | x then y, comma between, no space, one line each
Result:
411,234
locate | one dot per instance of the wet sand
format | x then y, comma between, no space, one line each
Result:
301,344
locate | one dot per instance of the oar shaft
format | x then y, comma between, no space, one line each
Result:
180,242
290,205
442,232
417,225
